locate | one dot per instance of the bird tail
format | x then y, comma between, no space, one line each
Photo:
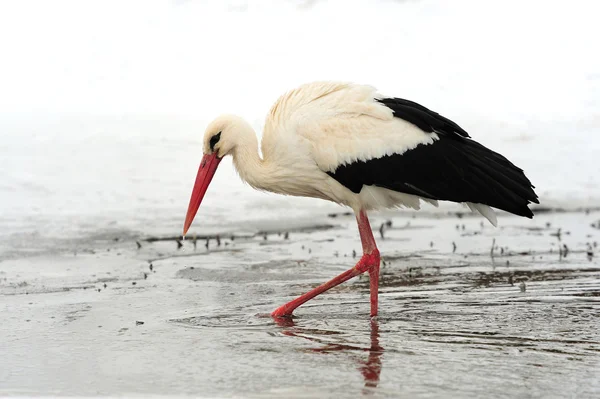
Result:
501,184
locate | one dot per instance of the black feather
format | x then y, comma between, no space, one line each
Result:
424,118
452,168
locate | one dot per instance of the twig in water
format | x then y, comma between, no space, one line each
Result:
522,286
565,250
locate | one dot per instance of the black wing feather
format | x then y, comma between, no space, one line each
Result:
452,168
426,119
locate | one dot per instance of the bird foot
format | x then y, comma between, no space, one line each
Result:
282,312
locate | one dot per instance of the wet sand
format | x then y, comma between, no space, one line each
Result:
467,310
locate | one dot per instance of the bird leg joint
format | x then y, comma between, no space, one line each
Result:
368,261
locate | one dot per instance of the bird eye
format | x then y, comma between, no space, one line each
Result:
214,140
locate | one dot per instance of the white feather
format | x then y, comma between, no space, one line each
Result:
485,211
340,123
314,129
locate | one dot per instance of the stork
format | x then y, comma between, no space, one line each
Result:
346,143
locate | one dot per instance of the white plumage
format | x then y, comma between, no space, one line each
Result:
348,144
341,123
315,129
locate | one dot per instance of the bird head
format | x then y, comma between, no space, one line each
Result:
220,139
220,135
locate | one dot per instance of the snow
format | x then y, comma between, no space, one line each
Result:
103,104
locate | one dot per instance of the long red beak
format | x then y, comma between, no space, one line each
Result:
206,171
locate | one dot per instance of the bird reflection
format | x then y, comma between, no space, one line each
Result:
369,368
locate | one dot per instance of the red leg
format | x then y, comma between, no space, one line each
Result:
368,262
374,286
370,247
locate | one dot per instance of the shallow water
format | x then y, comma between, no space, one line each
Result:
108,317
100,147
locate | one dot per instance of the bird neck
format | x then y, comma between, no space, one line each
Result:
246,159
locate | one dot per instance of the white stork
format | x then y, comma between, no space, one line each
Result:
348,144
